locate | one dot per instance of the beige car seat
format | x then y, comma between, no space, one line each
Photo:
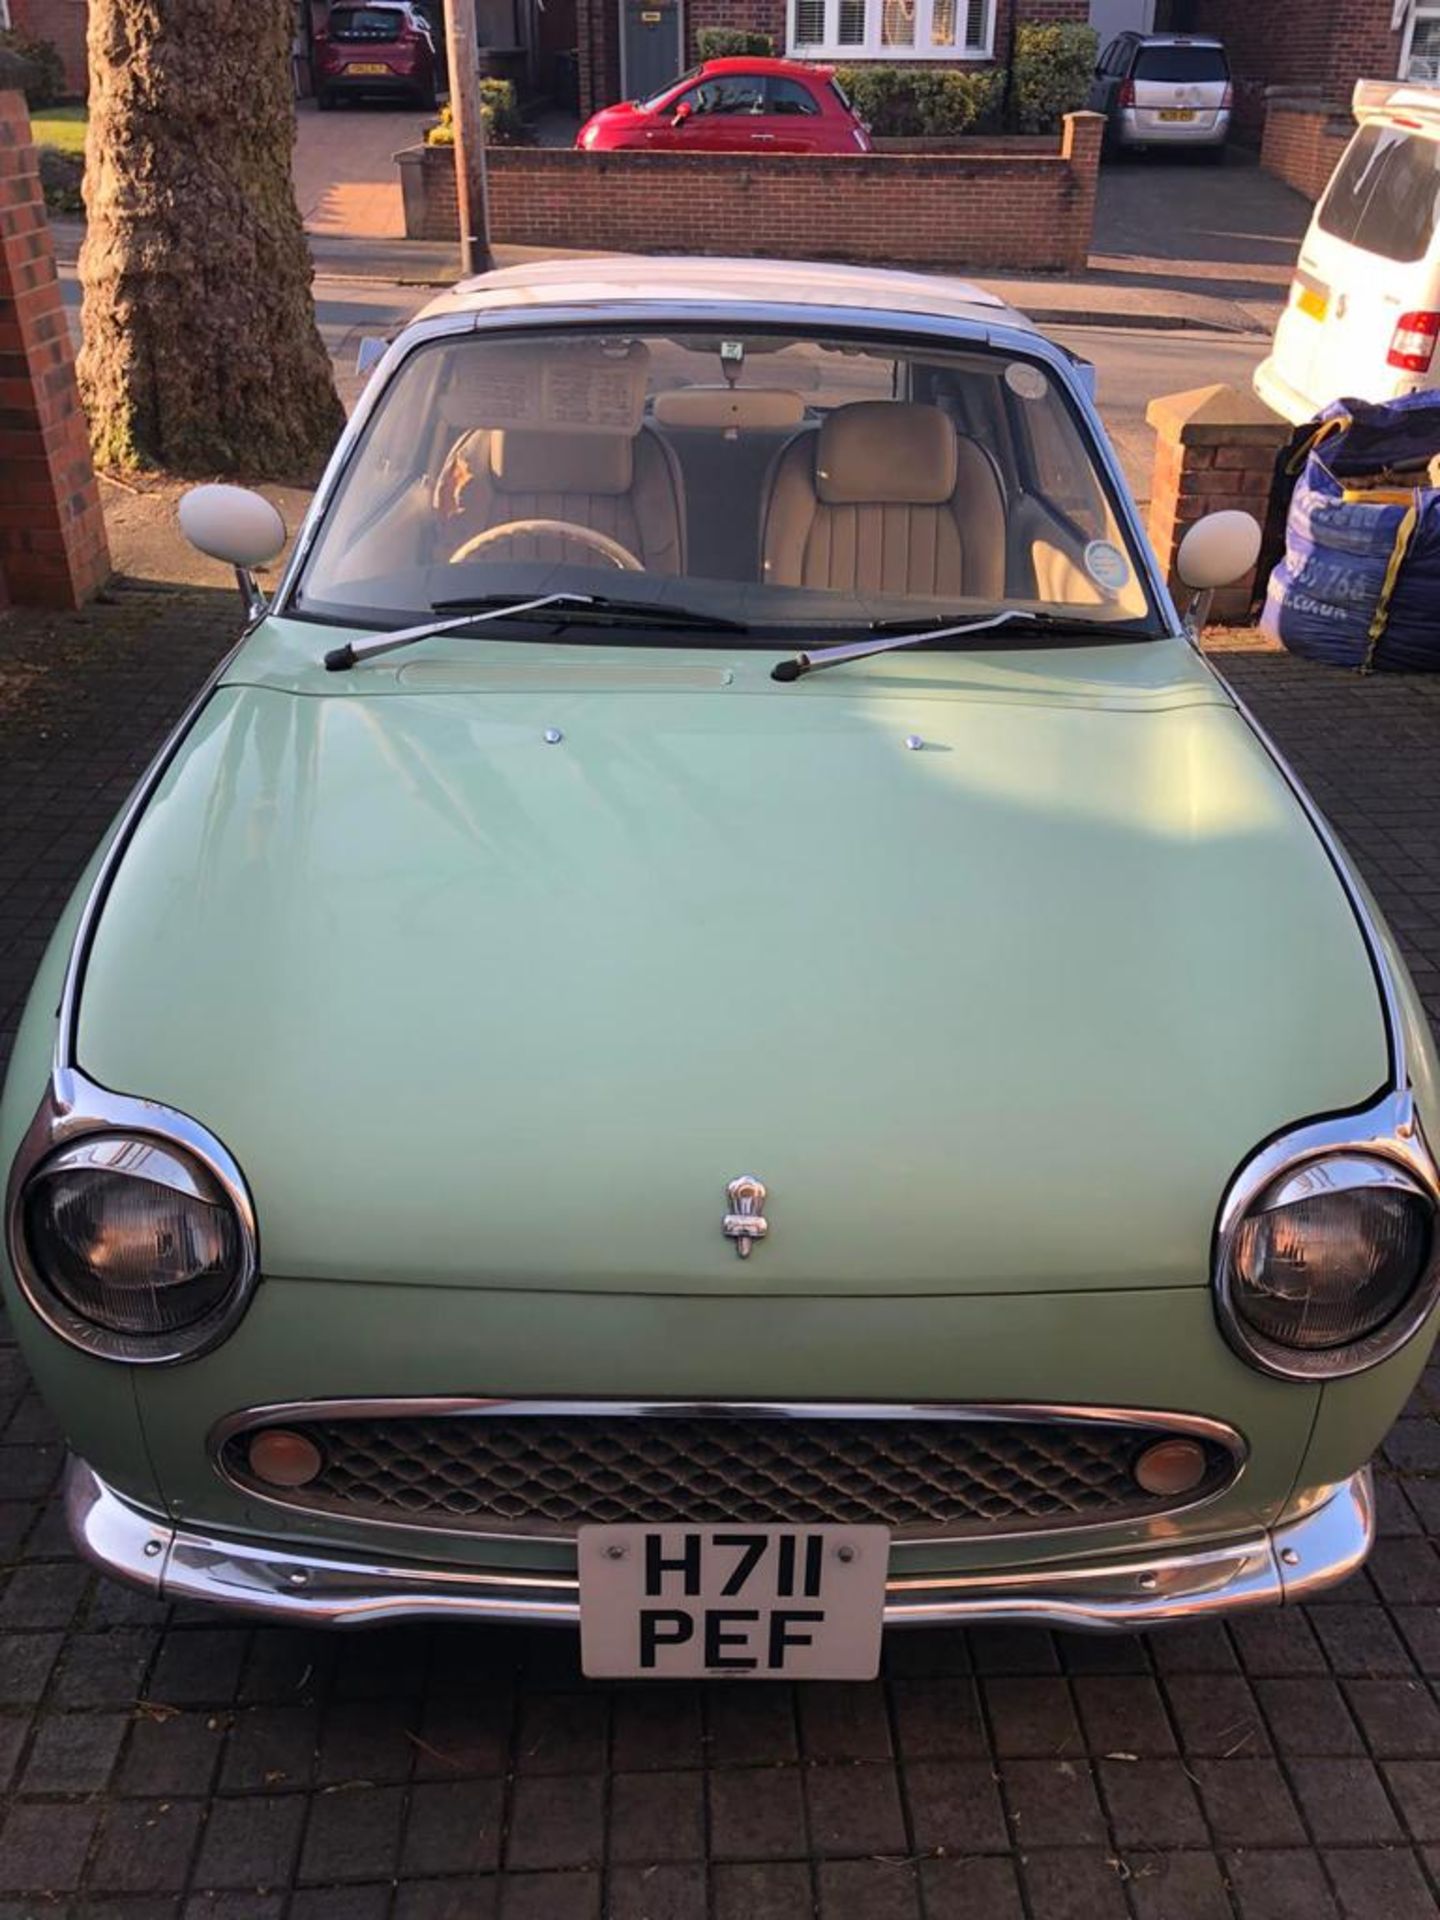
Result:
625,486
888,499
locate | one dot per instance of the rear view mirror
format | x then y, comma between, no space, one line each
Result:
235,525
1218,550
681,114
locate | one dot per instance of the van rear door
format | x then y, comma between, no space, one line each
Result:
1178,84
1367,264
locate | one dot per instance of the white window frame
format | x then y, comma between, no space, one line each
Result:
1414,11
872,46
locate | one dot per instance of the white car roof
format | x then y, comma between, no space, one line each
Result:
681,280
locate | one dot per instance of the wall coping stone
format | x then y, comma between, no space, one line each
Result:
1216,416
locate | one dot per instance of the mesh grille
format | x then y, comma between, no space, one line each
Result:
548,1474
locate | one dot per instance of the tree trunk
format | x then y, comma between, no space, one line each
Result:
201,353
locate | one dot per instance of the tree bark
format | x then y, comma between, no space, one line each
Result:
201,353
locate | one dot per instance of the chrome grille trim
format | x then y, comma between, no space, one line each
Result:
1215,1434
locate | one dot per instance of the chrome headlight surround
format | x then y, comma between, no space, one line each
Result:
76,1124
1381,1147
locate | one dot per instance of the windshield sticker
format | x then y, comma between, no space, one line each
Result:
1107,566
1029,382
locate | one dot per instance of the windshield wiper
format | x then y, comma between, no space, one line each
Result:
882,642
593,608
603,610
890,635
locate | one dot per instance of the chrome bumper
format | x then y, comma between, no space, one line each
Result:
1282,1566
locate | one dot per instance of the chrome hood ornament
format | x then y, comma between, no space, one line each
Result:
745,1223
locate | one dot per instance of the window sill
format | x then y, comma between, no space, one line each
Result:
891,56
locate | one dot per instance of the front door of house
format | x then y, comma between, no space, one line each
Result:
649,46
1109,17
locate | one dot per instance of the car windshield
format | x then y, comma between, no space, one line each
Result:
366,23
654,99
1181,63
784,481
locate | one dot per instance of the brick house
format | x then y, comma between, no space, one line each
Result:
628,47
62,22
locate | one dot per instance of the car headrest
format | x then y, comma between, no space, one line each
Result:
885,453
561,462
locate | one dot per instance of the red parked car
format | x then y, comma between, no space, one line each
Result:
735,106
385,48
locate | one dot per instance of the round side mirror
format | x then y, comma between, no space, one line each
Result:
681,114
1218,550
232,524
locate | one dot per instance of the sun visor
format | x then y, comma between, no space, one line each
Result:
725,407
586,387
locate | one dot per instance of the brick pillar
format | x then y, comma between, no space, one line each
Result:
1080,141
1214,448
52,533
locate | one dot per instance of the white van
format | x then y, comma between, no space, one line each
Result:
1363,317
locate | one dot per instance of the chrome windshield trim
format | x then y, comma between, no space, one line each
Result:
75,1109
1387,1131
1286,1564
467,1407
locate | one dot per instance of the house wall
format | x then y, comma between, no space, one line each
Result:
1323,46
64,23
987,208
598,34
52,533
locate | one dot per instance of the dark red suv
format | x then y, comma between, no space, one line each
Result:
385,48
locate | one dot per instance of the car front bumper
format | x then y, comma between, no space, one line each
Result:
1274,1566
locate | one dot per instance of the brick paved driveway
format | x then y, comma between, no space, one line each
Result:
162,1763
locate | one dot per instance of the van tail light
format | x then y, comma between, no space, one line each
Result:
1412,346
1227,99
1126,97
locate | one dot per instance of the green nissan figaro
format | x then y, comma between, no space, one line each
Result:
715,1029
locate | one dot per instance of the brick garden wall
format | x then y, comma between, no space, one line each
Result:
52,535
64,23
966,212
1303,141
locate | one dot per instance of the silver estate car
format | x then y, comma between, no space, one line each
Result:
1164,90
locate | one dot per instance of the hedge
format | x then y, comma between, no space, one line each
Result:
44,82
1051,75
499,109
916,102
733,43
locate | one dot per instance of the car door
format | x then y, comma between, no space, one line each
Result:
714,116
793,120
1101,96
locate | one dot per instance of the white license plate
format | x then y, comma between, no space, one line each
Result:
744,1603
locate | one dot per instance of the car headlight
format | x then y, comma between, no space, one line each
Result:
1325,1270
133,1248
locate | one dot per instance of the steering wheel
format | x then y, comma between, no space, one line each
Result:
600,543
